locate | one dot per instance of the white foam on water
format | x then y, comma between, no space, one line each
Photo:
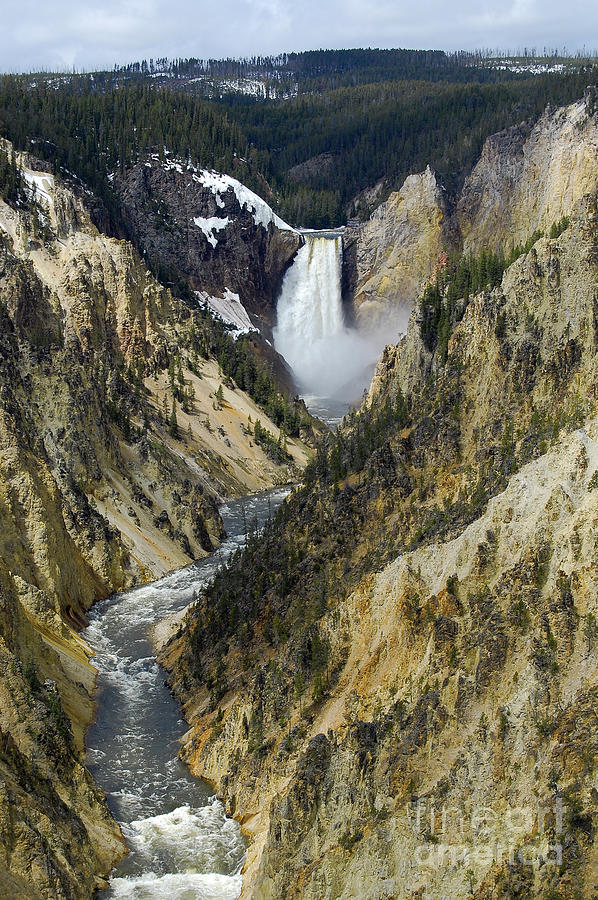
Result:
188,840
177,887
192,851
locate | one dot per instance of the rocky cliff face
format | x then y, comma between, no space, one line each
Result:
409,708
118,435
525,180
396,251
210,231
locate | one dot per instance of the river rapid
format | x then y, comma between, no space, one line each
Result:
182,845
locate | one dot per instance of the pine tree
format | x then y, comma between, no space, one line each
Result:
179,374
173,428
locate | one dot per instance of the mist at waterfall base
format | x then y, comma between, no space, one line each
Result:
328,358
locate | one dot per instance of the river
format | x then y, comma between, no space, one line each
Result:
182,845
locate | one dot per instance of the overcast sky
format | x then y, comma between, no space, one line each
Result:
53,34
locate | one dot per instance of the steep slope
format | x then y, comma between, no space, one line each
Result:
396,251
526,179
408,707
119,434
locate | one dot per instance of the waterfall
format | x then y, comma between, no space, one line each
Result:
309,309
327,358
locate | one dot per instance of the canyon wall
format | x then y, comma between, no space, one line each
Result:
409,709
526,179
209,230
396,251
119,437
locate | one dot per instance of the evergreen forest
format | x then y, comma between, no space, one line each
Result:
349,121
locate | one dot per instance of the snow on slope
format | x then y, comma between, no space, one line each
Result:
43,183
209,226
229,309
220,184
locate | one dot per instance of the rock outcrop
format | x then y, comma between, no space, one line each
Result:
397,250
208,230
527,179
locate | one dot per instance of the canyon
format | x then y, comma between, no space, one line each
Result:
399,675
415,713
101,488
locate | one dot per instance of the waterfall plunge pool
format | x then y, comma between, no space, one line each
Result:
182,845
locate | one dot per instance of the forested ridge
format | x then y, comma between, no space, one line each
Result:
386,131
322,70
309,155
90,134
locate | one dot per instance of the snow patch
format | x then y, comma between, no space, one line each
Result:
529,68
229,310
170,166
219,184
43,184
209,226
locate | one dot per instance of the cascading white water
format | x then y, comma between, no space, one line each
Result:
328,359
310,312
183,847
310,306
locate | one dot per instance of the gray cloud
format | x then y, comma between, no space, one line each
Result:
66,33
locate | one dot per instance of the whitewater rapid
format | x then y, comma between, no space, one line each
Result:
182,845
